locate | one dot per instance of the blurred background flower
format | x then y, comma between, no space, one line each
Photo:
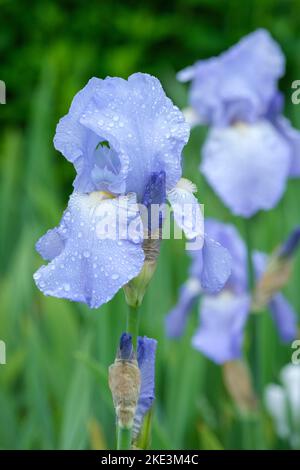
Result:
53,389
251,148
283,403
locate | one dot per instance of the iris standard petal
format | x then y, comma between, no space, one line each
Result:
238,84
284,317
247,166
142,125
97,166
101,253
146,350
222,322
176,320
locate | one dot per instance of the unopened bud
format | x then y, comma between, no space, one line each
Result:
124,383
273,280
238,382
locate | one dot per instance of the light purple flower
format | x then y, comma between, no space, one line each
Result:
251,149
125,139
239,84
223,315
117,134
222,321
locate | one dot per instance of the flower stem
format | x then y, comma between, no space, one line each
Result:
133,324
124,438
255,318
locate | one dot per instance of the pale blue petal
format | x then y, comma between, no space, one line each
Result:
228,236
238,84
222,322
142,125
284,317
146,360
247,166
176,320
50,245
82,147
212,266
292,137
187,212
95,263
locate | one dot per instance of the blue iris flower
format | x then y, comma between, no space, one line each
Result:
223,315
125,139
251,148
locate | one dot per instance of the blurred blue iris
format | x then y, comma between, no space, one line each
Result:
251,149
223,315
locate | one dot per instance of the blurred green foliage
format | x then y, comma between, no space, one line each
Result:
53,390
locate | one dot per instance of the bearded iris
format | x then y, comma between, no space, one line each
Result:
125,139
251,149
223,315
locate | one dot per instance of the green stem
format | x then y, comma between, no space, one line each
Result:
133,324
255,355
255,350
124,438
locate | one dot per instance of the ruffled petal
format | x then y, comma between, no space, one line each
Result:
222,322
97,166
102,251
284,317
142,125
176,320
146,360
240,83
187,212
247,166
